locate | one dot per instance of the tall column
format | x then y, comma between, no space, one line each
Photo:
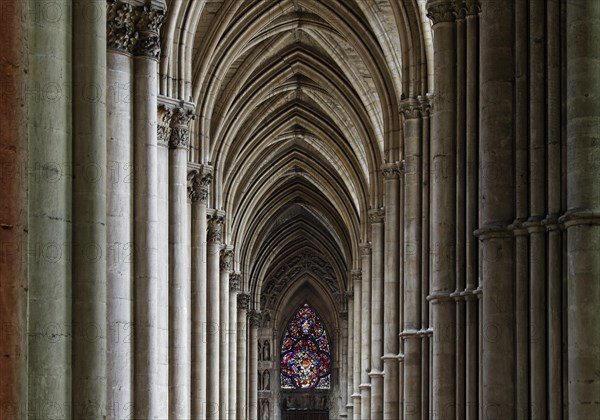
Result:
391,303
357,340
443,208
349,373
146,364
201,180
50,213
497,209
583,207
89,210
411,110
234,288
365,350
472,159
226,264
242,343
119,211
179,286
213,321
254,318
13,212
376,217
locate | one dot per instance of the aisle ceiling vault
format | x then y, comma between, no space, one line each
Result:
296,109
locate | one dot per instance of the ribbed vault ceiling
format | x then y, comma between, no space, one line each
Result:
297,108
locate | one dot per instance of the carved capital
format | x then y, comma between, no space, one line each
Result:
376,215
472,8
226,260
163,128
149,21
425,102
235,280
120,26
243,301
255,318
180,133
391,170
411,109
441,12
365,248
215,229
356,276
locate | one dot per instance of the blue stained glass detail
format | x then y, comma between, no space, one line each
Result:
305,354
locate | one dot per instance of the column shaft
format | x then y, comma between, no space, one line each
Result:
199,197
234,284
148,401
377,308
213,320
349,373
225,264
583,207
365,361
411,399
254,318
443,209
179,285
242,343
497,208
119,235
89,211
357,340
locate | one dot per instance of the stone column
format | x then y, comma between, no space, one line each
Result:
357,340
148,403
226,264
376,217
411,110
472,203
13,212
199,196
443,208
242,343
583,207
179,286
497,209
391,274
213,322
234,288
49,177
89,210
119,281
365,349
349,373
254,318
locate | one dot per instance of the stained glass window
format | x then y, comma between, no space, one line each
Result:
305,354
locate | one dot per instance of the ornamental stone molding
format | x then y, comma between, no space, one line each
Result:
376,215
441,12
391,170
149,21
226,263
243,301
120,26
